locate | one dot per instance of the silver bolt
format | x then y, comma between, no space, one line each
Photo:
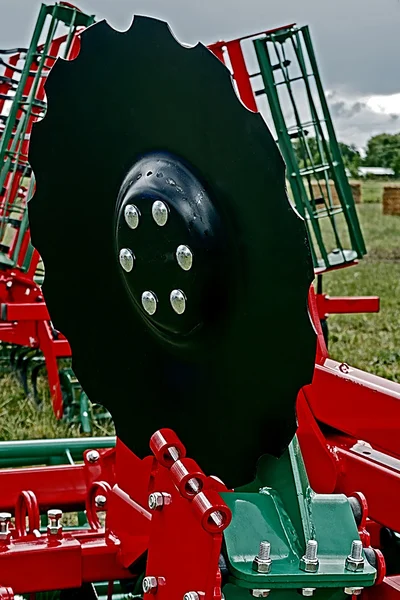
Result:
159,210
353,591
150,585
131,214
309,561
149,302
92,456
262,561
100,501
184,257
158,499
355,561
178,301
54,516
260,593
191,596
308,592
5,519
126,259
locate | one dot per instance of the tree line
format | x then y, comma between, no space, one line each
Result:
382,150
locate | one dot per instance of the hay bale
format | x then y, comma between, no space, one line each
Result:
391,200
354,185
356,191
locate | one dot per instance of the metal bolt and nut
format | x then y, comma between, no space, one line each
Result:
308,592
184,257
258,593
355,560
309,562
158,499
149,302
126,259
5,519
150,585
353,591
262,561
191,596
100,501
131,214
92,456
54,526
159,210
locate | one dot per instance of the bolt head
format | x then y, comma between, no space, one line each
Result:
354,565
100,501
5,517
260,593
150,585
184,257
131,214
92,456
159,210
353,591
262,565
149,302
54,513
178,301
126,259
309,566
307,592
191,596
156,501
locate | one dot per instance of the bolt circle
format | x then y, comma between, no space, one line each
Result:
149,302
159,210
178,301
126,259
131,214
184,257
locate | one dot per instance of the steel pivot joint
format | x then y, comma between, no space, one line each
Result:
355,560
262,561
5,534
309,562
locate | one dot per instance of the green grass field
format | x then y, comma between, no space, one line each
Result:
370,341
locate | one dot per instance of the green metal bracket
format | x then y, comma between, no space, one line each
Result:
281,508
318,180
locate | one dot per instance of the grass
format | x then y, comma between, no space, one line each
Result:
370,342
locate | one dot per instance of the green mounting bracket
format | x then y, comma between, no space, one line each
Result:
281,508
319,186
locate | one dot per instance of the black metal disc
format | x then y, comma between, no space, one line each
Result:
135,120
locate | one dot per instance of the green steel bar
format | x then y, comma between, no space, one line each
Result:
34,452
344,188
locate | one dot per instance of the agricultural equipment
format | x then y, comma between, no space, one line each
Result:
25,324
185,220
25,329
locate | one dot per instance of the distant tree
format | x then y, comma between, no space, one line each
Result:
383,150
308,153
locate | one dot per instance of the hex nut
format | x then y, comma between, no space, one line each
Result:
307,592
354,565
262,565
310,566
150,585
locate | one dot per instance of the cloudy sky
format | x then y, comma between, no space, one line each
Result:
357,44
